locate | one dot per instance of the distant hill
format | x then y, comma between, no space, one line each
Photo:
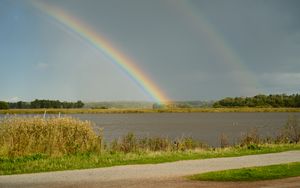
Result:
194,104
144,104
118,104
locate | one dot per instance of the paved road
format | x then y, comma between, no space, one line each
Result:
151,175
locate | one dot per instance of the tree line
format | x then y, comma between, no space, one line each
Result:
183,104
40,104
279,100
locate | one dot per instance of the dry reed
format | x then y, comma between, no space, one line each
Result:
21,136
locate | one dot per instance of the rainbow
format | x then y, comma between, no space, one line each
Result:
245,79
105,47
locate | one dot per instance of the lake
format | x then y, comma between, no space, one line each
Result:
206,127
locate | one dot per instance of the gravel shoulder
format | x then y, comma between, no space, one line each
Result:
149,175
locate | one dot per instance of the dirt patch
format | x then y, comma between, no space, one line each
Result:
181,182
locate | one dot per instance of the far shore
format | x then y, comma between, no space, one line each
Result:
139,110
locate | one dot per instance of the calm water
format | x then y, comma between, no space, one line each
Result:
206,127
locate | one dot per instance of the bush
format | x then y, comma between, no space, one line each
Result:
21,136
188,143
291,131
224,140
126,144
131,143
155,144
250,138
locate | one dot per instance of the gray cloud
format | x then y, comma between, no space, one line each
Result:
162,39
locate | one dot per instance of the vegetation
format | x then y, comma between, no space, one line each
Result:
21,136
119,105
252,174
290,132
42,163
3,105
45,104
261,101
130,143
107,105
33,144
134,110
147,105
184,104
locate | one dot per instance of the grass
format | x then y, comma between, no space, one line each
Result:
252,174
43,163
138,110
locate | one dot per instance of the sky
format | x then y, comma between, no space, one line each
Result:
190,49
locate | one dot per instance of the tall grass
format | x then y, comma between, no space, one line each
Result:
289,133
21,136
131,143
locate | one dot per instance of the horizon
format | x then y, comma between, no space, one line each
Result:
142,51
149,101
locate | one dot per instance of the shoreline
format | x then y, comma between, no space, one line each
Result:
137,110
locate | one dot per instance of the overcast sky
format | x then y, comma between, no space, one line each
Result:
192,50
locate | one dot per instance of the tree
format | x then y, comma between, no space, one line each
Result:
297,100
79,104
158,106
281,100
3,105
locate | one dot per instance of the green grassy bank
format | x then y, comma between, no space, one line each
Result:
43,163
252,174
